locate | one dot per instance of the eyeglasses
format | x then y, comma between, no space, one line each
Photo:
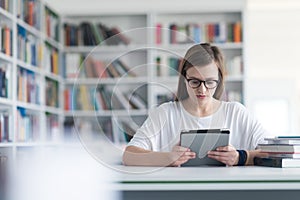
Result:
195,83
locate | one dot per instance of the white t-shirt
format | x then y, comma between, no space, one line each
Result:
161,130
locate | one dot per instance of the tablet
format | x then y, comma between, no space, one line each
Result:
201,141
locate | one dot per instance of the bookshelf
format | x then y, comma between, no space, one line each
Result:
51,81
30,76
118,99
99,79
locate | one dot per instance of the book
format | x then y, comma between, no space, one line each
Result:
113,71
122,99
121,37
100,69
277,162
89,66
284,155
279,148
125,68
158,34
136,101
284,140
237,33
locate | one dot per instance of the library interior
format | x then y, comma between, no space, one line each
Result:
78,80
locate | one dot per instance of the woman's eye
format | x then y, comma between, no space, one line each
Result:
209,82
194,82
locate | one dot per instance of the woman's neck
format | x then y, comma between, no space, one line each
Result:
201,110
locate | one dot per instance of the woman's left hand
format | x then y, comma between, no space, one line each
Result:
226,154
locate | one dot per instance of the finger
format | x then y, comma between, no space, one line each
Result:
223,153
229,162
183,155
218,153
225,148
187,157
180,162
180,148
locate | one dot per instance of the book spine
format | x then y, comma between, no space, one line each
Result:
268,162
158,34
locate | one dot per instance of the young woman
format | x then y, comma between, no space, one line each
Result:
198,105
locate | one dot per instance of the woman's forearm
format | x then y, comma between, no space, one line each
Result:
141,157
253,153
135,156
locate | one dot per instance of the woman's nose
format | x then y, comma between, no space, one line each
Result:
202,87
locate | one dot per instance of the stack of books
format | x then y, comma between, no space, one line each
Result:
283,151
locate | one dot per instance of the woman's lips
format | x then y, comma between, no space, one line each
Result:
200,96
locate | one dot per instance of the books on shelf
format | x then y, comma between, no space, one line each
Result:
29,12
51,93
28,47
277,162
219,32
80,66
5,135
167,65
162,98
234,66
27,126
4,79
6,39
27,87
5,4
126,130
51,59
72,64
51,24
52,129
91,34
123,101
136,101
84,97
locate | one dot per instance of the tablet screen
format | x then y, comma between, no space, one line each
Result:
201,141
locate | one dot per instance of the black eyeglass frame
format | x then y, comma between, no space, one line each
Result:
200,82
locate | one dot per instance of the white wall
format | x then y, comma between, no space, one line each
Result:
272,41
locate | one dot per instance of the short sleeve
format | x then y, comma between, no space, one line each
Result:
148,136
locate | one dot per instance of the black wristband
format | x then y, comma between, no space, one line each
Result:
242,157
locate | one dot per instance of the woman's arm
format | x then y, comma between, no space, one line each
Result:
254,153
140,157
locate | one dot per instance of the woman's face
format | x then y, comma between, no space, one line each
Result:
201,95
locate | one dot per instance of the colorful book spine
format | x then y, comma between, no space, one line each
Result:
90,34
51,24
5,39
51,93
220,32
27,126
27,88
5,135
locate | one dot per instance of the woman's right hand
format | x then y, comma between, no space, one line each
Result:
180,155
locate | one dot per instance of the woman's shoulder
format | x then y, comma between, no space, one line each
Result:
165,109
168,106
234,106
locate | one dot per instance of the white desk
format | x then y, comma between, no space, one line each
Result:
209,183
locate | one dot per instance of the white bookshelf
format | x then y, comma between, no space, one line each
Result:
12,103
143,40
140,55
